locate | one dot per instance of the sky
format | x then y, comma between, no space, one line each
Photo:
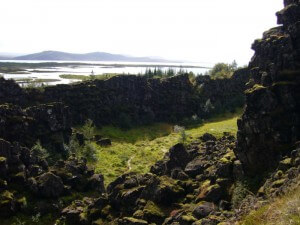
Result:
206,31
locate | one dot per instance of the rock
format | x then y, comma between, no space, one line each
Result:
237,170
225,205
162,190
178,157
80,138
153,213
270,124
208,137
211,193
74,214
104,142
50,185
195,167
3,167
203,209
7,204
285,164
96,182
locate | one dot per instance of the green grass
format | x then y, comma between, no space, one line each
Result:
284,210
87,77
143,146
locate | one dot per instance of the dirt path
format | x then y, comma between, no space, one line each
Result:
129,163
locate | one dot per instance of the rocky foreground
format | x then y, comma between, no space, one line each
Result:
211,181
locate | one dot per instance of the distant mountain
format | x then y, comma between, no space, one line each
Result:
93,56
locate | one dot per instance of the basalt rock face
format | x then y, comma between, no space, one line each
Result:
49,123
11,92
270,125
122,100
222,94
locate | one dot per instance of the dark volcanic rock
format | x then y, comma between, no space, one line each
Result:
50,185
104,142
271,123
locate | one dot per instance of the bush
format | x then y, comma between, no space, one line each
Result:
88,129
89,151
73,146
39,151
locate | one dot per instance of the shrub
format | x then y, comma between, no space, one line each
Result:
88,129
88,151
73,146
39,151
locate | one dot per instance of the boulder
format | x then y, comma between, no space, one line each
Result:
50,185
203,209
104,142
208,137
96,182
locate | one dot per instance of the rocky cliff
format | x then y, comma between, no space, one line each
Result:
270,126
135,99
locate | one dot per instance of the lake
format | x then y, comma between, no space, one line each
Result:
90,67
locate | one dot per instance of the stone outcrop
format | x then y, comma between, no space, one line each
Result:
27,179
270,125
122,100
169,195
49,123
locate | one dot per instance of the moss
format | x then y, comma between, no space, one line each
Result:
286,161
279,174
138,214
169,182
278,183
6,195
2,159
135,221
188,218
229,157
256,87
22,201
106,210
152,209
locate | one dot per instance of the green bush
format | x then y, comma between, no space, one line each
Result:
39,151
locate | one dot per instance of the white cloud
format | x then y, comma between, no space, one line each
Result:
199,30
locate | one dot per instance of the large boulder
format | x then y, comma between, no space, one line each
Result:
50,185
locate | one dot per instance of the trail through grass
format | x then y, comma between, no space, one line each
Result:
137,149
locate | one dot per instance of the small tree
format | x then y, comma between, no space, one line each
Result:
88,129
183,136
223,70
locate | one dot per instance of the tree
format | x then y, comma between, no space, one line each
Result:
223,70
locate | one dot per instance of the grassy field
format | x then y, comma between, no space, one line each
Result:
138,149
85,77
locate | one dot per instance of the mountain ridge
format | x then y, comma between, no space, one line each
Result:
91,56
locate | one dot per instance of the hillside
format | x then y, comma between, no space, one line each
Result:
93,56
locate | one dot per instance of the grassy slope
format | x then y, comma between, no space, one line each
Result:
143,146
283,211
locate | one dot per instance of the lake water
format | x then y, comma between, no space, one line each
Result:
97,68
